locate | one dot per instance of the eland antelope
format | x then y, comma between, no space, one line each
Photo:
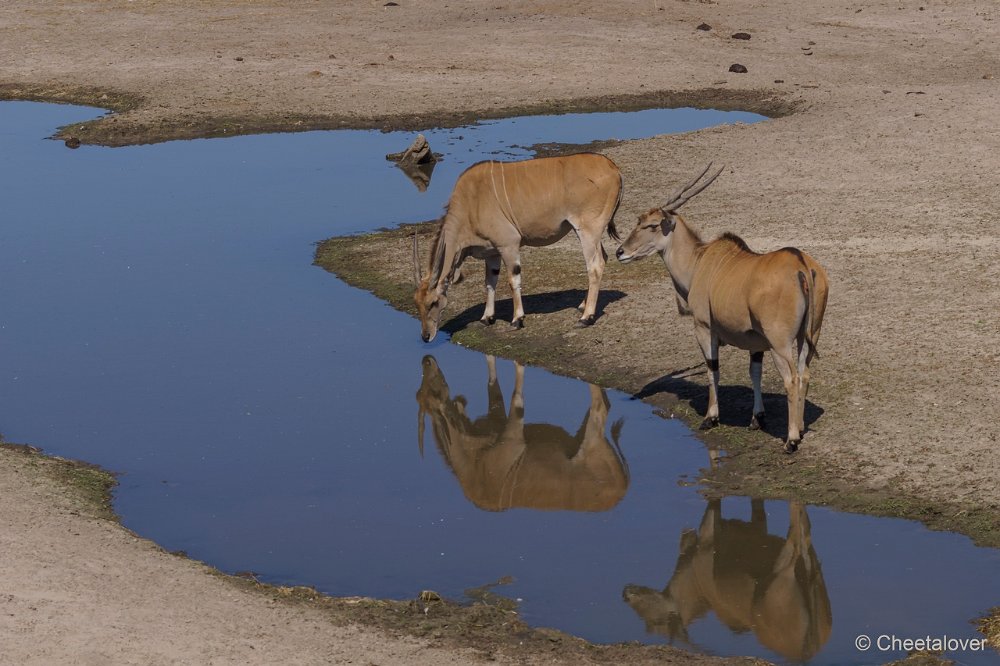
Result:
498,207
737,297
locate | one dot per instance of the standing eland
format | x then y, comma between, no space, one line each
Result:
498,207
757,302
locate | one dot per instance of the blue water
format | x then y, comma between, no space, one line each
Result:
160,316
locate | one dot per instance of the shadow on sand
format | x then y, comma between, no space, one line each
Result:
735,401
547,303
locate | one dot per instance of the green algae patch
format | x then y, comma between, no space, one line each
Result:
88,485
990,626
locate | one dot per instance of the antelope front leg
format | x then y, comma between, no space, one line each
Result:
593,253
513,260
710,348
756,372
492,276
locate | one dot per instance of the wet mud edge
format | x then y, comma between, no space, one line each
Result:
125,126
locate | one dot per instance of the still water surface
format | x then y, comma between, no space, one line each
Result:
159,316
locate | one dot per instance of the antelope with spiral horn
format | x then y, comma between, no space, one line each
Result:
757,302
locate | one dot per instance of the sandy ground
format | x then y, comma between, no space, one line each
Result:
886,172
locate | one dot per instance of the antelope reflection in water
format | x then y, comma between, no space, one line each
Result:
751,579
502,462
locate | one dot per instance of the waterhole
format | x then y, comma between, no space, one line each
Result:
160,316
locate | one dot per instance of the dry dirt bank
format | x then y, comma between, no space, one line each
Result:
886,173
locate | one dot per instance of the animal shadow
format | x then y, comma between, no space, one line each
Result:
735,400
546,303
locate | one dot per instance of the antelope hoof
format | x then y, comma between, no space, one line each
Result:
709,423
517,324
757,421
487,321
792,445
585,322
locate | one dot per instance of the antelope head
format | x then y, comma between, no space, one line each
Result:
430,296
652,233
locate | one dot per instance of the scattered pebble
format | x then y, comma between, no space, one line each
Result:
72,142
239,58
704,26
779,80
741,35
738,68
391,4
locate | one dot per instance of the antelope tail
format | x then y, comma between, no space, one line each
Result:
612,229
807,281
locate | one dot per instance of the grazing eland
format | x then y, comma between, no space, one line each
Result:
498,207
501,462
737,297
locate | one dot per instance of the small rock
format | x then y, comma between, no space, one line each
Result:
738,68
391,4
391,57
239,58
704,26
430,595
417,162
419,152
987,76
741,35
72,142
779,80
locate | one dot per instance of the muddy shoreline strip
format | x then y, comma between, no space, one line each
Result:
120,128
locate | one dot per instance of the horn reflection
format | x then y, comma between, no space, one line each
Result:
752,580
501,462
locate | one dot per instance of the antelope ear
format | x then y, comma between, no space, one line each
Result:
669,221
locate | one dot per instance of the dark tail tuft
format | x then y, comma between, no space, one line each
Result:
807,283
613,232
